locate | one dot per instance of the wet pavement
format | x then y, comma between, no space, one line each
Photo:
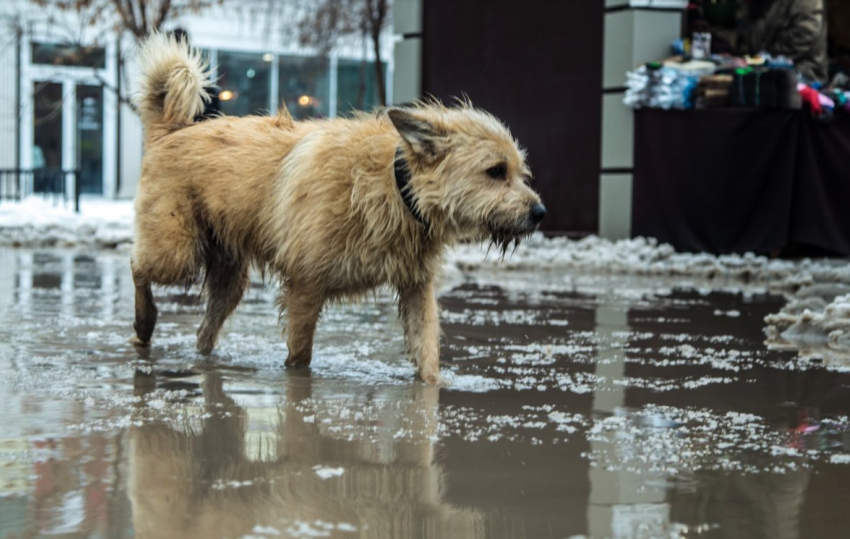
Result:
574,405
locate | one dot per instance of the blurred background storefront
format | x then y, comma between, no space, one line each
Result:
556,73
66,87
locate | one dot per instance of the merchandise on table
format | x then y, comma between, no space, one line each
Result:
758,82
714,91
765,88
666,86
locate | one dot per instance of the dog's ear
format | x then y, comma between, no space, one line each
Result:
424,137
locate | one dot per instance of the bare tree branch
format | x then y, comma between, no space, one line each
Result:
143,13
136,18
164,8
122,98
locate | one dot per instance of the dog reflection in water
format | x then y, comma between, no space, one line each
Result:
201,481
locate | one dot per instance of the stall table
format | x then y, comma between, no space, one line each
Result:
736,180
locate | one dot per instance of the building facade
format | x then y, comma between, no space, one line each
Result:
64,89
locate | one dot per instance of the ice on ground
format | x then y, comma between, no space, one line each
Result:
39,222
646,256
681,441
266,530
36,222
816,321
326,472
317,528
471,383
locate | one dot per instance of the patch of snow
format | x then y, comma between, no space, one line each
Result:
646,256
221,484
317,528
265,530
815,323
37,222
326,472
470,383
662,439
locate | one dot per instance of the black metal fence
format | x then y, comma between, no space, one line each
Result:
59,185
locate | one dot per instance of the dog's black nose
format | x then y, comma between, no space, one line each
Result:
538,212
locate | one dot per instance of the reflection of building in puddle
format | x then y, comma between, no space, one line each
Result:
63,282
644,452
66,487
799,504
216,480
757,444
787,503
622,505
54,480
746,505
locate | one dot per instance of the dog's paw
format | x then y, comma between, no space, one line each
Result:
430,376
297,365
136,341
298,361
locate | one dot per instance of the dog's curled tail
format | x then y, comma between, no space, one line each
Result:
171,86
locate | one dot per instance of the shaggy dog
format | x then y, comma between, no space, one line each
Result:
332,208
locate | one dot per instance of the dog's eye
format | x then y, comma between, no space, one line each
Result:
498,172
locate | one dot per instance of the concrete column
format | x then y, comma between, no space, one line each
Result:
633,35
407,52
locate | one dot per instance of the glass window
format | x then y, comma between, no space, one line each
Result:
244,80
47,137
90,138
68,55
47,126
356,86
305,86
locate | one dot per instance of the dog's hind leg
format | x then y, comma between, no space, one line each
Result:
420,318
225,284
303,308
145,308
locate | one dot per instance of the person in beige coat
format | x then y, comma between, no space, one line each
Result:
792,28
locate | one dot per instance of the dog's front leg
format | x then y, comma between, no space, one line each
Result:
145,308
302,313
420,317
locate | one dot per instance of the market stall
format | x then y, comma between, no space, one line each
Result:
738,180
737,154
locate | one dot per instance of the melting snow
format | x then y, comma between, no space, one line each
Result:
36,222
817,323
326,472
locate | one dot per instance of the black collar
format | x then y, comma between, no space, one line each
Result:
402,181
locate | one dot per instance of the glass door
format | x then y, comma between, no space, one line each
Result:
47,135
90,138
68,133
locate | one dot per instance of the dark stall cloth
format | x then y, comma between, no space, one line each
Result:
715,181
820,215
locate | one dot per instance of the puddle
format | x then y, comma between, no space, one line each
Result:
573,405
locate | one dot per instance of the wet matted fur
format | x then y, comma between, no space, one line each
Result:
314,203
